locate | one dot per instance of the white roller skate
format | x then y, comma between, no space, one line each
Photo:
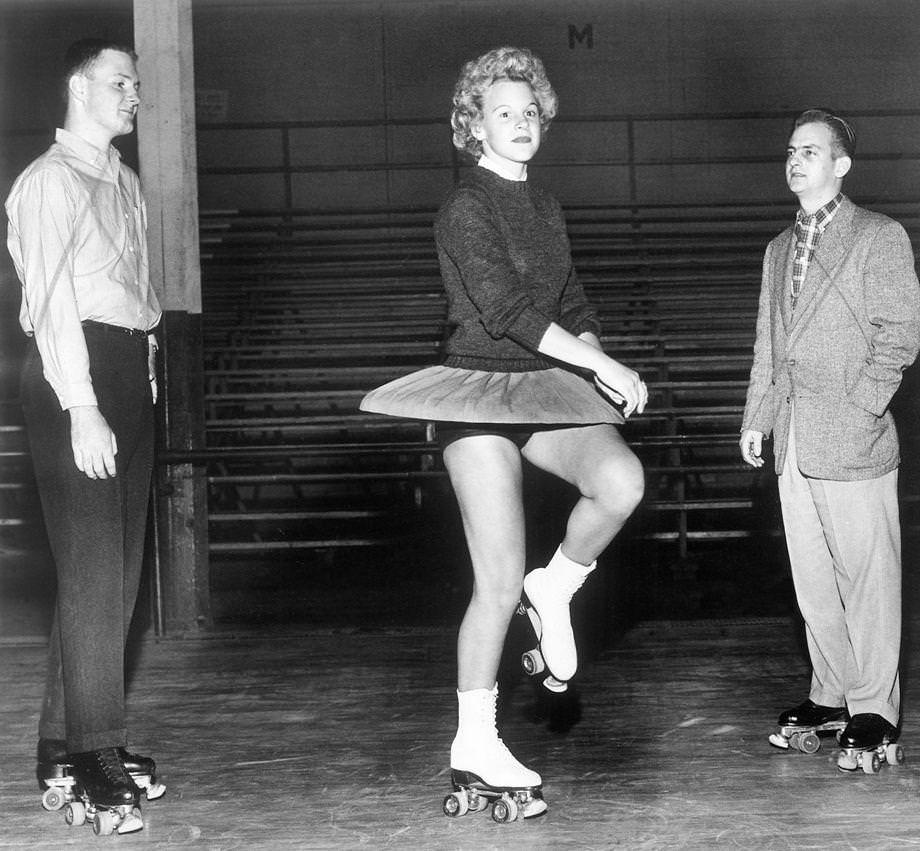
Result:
484,771
547,594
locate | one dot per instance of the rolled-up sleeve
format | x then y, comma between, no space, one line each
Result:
43,238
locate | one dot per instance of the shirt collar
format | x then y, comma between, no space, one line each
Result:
87,151
822,217
498,169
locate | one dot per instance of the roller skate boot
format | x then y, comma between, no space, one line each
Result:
547,594
801,727
55,776
484,771
867,742
104,793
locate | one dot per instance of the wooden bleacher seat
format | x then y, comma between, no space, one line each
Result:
304,315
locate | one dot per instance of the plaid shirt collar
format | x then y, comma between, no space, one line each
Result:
807,232
819,220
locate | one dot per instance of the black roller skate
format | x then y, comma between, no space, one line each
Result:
867,742
801,727
55,776
96,787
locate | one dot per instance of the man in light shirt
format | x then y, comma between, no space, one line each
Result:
838,322
77,225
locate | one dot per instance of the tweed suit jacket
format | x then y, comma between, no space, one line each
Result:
837,359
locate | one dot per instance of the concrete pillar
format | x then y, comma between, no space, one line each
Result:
168,171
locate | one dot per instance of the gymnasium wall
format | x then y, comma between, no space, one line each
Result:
661,100
659,84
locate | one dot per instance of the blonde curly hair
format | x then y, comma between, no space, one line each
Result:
502,63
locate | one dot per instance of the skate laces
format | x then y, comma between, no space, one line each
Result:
506,754
489,715
112,766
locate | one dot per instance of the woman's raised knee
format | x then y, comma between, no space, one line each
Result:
620,485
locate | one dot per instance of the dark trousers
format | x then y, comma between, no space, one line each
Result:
96,529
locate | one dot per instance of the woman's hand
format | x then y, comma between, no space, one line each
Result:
622,385
619,383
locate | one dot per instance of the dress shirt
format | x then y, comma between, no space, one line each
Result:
77,236
808,230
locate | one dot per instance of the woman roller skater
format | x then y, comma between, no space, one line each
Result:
513,385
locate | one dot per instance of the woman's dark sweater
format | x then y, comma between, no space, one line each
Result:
507,268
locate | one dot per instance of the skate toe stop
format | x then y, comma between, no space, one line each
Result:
779,741
533,808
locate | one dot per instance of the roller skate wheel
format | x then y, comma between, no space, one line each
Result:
779,741
504,810
532,662
455,805
103,823
894,754
870,762
53,799
75,814
809,743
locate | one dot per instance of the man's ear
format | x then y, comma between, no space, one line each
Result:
76,86
842,166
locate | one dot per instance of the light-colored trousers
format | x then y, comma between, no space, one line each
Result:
844,542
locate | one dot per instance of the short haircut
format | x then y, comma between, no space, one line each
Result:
502,63
82,55
843,139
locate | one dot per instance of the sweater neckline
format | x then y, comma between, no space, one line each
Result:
518,187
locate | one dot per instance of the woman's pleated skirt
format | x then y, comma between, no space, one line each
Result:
452,394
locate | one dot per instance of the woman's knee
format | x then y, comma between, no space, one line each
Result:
620,484
498,596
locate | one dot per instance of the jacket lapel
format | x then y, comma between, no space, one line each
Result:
834,242
782,276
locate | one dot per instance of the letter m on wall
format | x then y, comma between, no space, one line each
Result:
585,35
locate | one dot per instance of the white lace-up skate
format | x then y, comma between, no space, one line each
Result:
547,594
482,768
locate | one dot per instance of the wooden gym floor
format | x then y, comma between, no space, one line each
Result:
339,738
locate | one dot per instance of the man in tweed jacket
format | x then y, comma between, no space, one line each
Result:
838,322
